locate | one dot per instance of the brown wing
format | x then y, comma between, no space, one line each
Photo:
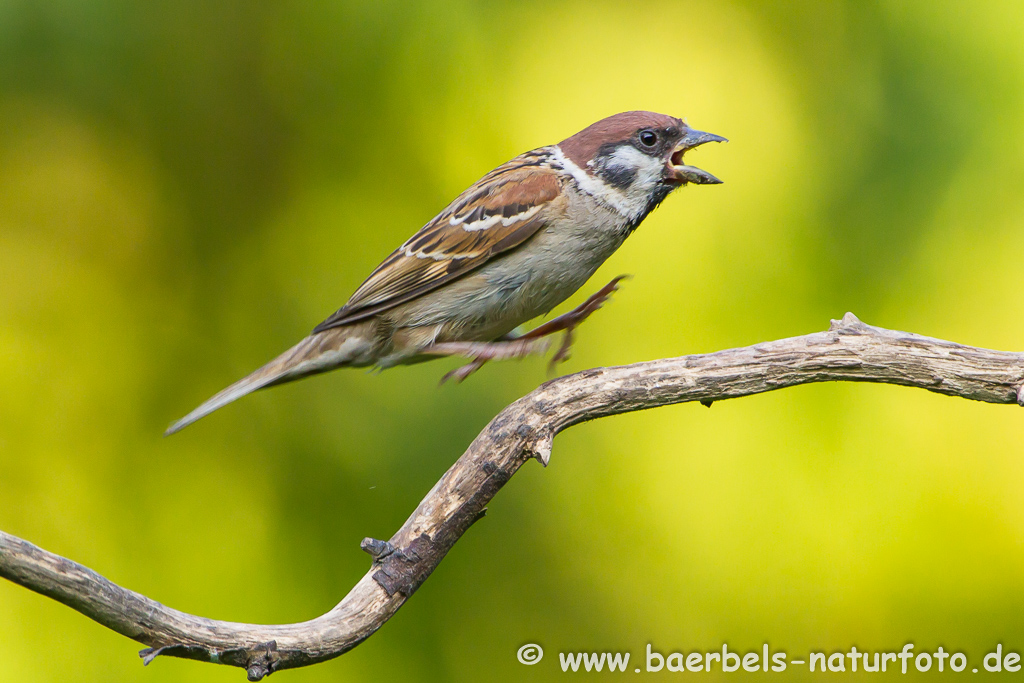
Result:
497,213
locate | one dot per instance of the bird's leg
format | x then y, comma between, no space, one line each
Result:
571,320
533,342
503,348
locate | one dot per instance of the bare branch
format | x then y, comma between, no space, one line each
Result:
849,351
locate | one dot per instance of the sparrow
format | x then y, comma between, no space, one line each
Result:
518,242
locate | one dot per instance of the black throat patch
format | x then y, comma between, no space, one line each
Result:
658,195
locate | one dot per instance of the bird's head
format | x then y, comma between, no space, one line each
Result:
639,154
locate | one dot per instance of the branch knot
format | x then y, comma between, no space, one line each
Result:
378,550
539,444
262,661
403,570
850,324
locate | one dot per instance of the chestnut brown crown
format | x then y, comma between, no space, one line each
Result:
624,128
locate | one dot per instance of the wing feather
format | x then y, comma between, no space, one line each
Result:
497,213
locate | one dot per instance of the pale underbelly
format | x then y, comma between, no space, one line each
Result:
508,291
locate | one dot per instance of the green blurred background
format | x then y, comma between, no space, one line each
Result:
186,188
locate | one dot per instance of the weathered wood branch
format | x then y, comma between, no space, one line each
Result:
848,351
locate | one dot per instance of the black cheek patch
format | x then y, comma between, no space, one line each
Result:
620,177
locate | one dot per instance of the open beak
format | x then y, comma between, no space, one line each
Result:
679,172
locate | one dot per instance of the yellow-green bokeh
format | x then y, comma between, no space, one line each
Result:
186,188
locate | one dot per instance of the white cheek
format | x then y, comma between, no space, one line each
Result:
629,203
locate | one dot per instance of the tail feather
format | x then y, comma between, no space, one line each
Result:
246,385
316,353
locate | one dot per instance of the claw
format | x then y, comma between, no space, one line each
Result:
563,353
463,371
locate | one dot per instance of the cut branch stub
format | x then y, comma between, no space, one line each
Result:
402,571
849,351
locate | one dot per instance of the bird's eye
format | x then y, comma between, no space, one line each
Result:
648,138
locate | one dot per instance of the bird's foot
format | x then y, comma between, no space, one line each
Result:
533,342
568,322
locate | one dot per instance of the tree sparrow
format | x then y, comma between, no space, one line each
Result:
513,246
